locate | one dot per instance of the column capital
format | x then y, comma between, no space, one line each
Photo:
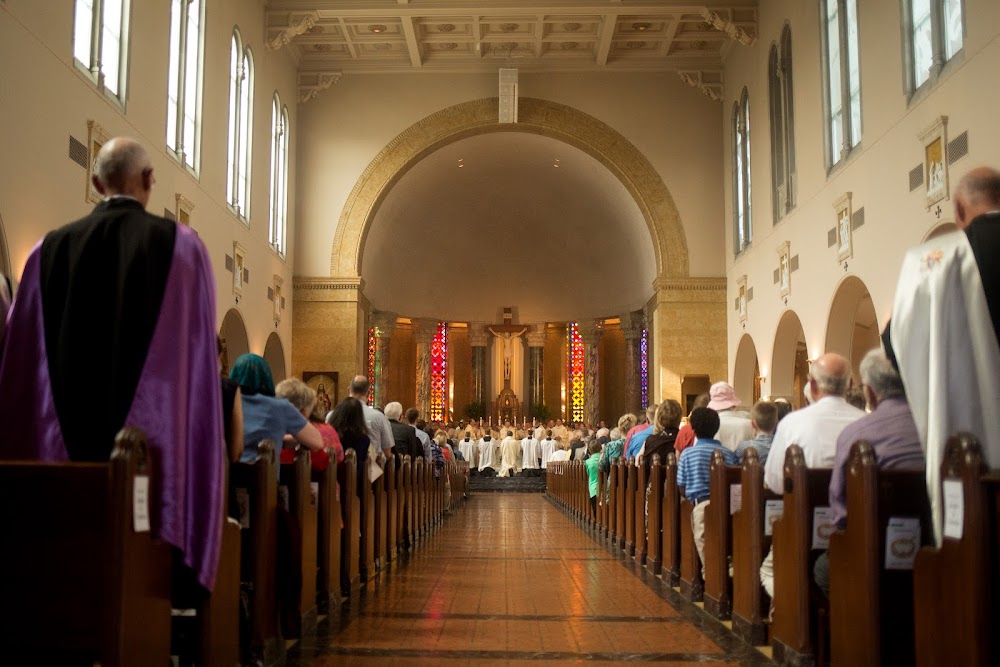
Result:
477,334
424,329
633,324
591,331
536,335
384,322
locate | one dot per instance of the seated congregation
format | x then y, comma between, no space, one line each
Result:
163,510
749,516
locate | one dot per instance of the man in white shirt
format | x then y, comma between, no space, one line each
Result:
814,429
379,431
487,456
548,446
530,453
734,427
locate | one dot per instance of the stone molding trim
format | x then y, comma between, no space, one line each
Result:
689,284
329,289
549,119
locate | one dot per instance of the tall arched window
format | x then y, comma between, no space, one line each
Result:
100,42
184,80
842,76
240,128
935,34
279,175
742,214
782,126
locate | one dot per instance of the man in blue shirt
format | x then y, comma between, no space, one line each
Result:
693,470
638,439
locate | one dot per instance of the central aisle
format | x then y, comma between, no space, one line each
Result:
509,579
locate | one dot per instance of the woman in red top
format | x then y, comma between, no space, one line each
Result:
685,436
299,394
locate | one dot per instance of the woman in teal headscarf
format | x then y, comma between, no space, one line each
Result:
264,416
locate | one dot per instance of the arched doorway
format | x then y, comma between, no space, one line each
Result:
852,328
789,360
233,336
274,355
746,372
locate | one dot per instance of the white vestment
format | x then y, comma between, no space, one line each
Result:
487,455
470,450
547,446
510,456
530,453
946,347
559,455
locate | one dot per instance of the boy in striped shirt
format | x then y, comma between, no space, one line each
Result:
693,470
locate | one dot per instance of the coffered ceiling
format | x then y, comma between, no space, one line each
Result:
331,38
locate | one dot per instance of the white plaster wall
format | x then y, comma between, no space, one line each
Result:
674,126
876,173
44,99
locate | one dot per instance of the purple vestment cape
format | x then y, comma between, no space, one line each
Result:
177,404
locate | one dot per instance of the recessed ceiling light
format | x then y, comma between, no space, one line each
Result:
377,28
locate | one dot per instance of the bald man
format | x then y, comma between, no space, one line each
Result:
815,428
114,325
379,430
945,327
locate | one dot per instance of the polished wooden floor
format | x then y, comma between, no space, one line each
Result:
509,579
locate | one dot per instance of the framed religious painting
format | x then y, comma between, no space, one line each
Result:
239,267
182,209
935,143
97,136
741,298
278,299
324,383
845,240
784,269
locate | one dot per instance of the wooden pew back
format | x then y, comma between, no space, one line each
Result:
366,566
629,502
871,608
956,584
654,523
328,519
718,537
640,513
79,580
391,535
300,604
350,542
794,628
671,518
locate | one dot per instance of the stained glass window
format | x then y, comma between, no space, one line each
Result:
575,342
644,367
439,373
372,348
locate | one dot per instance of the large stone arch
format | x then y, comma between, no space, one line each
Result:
543,117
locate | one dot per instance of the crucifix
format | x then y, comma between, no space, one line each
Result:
507,334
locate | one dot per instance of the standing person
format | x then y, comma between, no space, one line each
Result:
666,423
379,430
412,415
349,421
305,400
685,436
594,450
548,446
124,302
635,443
734,427
531,455
945,326
763,420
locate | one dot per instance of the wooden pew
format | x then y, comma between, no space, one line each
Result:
391,536
640,513
871,608
629,500
691,583
612,500
418,499
219,615
955,585
366,567
793,633
670,516
328,518
654,524
79,582
602,505
750,545
407,537
256,488
620,521
299,604
718,538
381,516
350,540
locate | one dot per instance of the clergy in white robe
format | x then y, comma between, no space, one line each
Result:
530,453
488,454
470,450
510,456
548,446
559,454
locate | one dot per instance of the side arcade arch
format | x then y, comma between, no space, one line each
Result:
746,372
852,328
233,337
274,355
789,360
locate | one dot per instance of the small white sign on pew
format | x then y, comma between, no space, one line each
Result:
902,541
954,508
822,527
140,504
773,509
735,498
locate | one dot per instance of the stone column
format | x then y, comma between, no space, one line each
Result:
632,324
478,340
423,332
591,335
536,367
385,325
